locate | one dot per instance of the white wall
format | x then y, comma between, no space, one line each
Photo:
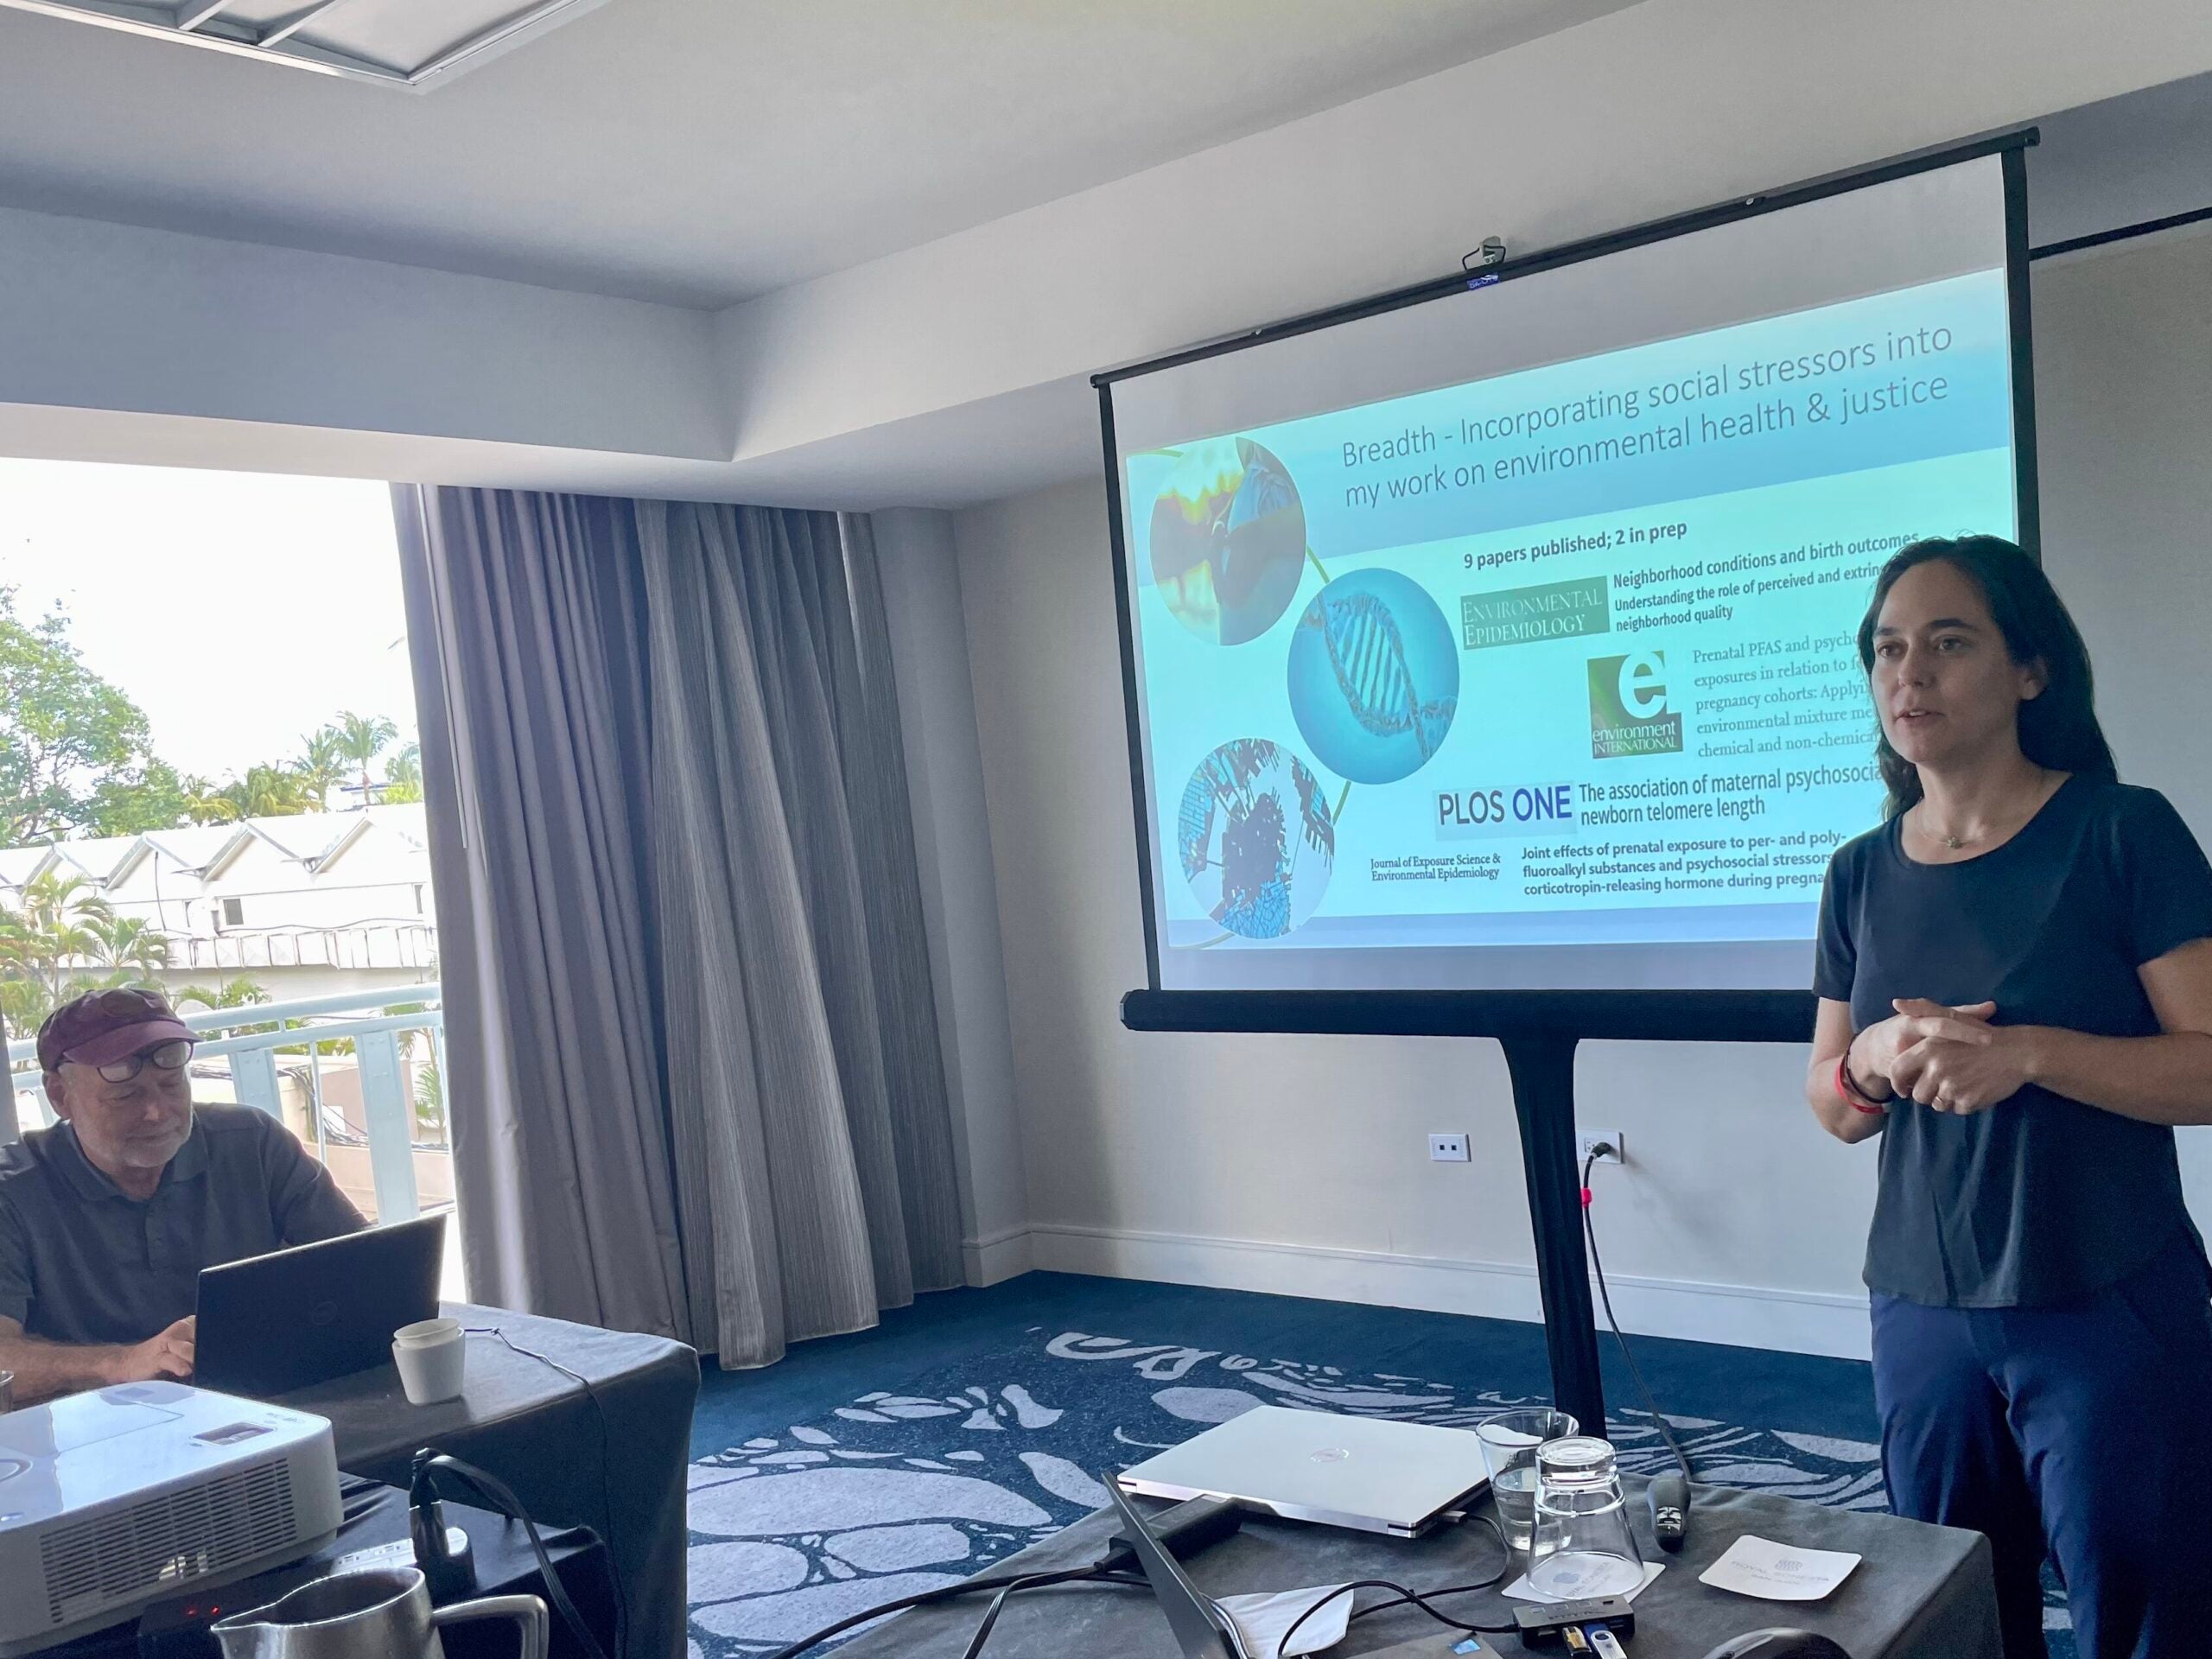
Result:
954,371
952,844
1664,106
1298,1163
2124,382
113,317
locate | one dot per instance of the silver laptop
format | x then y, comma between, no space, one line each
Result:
1366,1473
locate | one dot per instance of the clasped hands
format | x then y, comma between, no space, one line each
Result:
1950,1059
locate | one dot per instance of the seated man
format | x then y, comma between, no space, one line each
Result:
107,1218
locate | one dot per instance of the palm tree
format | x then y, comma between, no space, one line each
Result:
124,943
402,775
59,923
267,791
203,803
360,741
321,765
240,992
430,1127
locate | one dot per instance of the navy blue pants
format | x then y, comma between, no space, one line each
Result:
2082,1432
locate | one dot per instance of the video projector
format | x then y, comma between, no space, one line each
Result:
116,1499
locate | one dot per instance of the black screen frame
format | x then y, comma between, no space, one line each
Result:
1705,1015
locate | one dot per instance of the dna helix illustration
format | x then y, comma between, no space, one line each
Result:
1367,654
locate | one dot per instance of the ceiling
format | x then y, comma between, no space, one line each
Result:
409,43
700,152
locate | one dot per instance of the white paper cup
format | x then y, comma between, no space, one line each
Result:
431,1363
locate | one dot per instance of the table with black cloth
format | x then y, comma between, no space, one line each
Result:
1921,1592
375,1514
522,1420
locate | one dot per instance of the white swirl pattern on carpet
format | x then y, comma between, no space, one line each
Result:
895,1493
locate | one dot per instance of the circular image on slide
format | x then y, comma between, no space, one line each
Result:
1374,676
1255,839
1228,540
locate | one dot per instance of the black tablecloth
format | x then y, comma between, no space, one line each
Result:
538,1431
1923,1591
377,1514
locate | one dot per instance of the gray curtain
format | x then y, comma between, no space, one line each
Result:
691,1040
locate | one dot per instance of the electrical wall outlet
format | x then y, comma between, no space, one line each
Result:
1588,1139
1448,1149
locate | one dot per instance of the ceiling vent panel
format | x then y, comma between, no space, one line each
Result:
413,44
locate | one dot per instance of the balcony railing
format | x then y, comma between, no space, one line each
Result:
357,1076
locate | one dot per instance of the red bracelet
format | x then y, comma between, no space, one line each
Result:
1853,1096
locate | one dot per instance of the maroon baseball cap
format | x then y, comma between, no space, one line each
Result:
103,1026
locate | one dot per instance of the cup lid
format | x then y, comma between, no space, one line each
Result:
1582,1457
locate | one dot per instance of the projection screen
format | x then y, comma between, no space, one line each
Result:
1503,638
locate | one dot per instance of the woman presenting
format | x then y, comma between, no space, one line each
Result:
2015,976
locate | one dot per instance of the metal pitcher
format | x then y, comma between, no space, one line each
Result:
377,1615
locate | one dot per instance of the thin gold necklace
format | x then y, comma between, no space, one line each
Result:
2043,777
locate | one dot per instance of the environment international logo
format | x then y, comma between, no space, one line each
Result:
1629,711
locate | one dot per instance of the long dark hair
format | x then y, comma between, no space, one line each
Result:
2058,728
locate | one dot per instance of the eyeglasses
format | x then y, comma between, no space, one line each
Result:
172,1056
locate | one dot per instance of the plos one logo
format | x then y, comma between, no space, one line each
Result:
1629,711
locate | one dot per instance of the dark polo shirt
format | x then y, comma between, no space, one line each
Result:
80,1262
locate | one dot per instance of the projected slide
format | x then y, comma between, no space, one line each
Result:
1560,656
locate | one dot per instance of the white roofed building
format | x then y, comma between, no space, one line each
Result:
304,905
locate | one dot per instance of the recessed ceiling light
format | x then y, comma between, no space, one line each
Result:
415,44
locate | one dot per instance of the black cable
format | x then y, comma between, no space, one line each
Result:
952,1592
1605,1296
1011,1583
1419,1599
605,1486
976,1642
490,1487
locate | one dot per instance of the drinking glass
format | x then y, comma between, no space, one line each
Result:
1583,1545
1509,1442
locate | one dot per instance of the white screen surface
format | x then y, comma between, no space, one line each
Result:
1506,640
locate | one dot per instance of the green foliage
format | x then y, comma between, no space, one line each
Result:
67,940
403,776
153,797
321,765
240,992
236,993
43,944
126,943
360,739
430,1104
75,754
205,802
268,791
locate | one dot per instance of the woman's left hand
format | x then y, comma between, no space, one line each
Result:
1962,1076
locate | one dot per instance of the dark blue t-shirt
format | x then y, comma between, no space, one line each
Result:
2040,1199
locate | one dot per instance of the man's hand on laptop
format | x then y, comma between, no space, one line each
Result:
167,1354
45,1369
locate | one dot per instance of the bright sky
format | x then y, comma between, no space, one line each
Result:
239,610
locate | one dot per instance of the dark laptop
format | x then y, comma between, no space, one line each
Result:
274,1323
1202,1629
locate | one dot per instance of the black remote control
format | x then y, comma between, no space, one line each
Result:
1670,1498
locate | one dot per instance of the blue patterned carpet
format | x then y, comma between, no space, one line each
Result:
867,1467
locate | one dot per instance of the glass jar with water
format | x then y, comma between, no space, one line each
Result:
1583,1544
1509,1441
